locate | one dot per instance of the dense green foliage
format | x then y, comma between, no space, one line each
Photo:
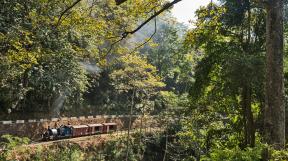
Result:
225,117
206,83
43,58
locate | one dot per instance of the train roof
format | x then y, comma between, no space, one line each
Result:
95,125
111,123
79,126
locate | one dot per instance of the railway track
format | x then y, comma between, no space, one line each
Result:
77,139
99,139
93,137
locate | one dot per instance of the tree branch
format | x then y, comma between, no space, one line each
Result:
165,7
66,10
155,30
118,2
126,33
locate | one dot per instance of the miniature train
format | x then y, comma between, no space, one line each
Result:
70,131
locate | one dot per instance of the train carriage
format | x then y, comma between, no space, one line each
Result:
80,130
109,127
95,129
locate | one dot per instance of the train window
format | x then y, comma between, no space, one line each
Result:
97,129
112,127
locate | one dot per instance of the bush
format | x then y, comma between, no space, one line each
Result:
9,141
235,154
279,155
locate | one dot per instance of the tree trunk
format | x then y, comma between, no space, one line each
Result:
249,128
274,114
130,123
248,119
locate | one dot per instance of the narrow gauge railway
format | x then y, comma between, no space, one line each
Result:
73,131
96,137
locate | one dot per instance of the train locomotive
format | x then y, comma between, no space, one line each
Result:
70,131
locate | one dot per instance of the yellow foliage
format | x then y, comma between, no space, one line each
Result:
23,59
136,73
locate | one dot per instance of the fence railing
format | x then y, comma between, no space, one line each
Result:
5,122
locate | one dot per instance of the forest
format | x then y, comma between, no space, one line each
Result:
219,87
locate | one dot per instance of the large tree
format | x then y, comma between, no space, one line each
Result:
274,117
